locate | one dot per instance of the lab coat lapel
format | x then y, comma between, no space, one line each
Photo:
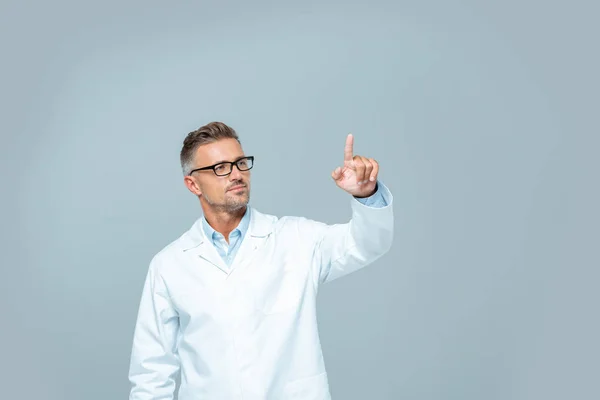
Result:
261,227
206,250
200,247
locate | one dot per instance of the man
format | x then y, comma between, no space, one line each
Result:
230,305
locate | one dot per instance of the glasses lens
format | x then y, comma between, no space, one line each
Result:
244,164
222,169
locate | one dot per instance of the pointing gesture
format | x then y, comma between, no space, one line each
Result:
358,176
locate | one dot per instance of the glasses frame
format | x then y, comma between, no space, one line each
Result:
231,164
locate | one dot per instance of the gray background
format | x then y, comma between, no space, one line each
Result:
483,115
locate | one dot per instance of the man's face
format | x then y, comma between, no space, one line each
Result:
222,193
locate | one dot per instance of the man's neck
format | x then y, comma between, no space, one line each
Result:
224,222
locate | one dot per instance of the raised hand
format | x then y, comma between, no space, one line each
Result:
358,176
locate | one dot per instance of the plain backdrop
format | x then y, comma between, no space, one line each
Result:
483,116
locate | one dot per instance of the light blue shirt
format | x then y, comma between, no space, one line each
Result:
227,251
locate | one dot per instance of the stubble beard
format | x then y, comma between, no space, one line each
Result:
233,202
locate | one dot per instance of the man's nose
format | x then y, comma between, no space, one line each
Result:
235,174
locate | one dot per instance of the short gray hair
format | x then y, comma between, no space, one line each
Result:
208,133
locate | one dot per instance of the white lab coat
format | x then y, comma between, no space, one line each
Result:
250,333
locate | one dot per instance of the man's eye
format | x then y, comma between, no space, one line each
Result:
220,168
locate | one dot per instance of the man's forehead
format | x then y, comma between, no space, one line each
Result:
221,150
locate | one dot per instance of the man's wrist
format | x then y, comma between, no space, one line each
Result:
369,195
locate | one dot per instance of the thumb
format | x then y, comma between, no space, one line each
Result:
337,173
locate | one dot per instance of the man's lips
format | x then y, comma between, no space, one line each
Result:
236,188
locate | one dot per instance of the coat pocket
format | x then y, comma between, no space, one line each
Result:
314,387
282,293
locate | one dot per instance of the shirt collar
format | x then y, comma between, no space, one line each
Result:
242,226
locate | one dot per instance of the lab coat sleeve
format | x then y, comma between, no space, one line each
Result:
154,363
375,200
344,248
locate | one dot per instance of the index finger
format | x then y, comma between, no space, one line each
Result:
348,150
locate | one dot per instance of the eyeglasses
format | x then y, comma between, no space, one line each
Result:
225,168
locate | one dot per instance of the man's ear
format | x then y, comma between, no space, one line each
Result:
192,185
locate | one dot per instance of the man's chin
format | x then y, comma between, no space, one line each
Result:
238,196
238,204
